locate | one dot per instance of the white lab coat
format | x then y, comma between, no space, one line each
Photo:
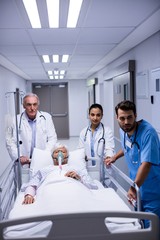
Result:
101,150
85,142
46,136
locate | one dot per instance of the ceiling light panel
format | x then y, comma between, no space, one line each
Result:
50,72
53,13
33,14
46,58
55,58
65,58
73,14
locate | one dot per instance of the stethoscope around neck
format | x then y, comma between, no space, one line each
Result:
20,123
134,142
100,140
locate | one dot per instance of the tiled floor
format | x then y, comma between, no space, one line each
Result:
71,143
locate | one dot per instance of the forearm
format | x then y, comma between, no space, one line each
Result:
142,173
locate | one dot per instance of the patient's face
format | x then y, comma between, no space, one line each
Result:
65,155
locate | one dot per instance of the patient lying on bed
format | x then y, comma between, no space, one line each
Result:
60,170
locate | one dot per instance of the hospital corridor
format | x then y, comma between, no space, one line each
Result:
80,119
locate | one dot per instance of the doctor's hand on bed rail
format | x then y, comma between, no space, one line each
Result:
25,160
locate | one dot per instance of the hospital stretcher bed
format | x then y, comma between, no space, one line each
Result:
90,214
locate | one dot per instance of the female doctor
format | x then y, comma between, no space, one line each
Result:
96,138
35,129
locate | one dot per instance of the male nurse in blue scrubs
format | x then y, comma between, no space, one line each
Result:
141,148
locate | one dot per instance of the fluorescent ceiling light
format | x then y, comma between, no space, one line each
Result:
55,58
62,72
56,77
53,13
49,72
61,77
51,77
56,72
73,14
46,58
65,58
32,11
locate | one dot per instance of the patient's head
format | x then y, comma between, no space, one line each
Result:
60,148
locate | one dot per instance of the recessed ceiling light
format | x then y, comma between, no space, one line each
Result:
73,14
62,72
55,58
53,13
46,58
32,11
65,58
49,72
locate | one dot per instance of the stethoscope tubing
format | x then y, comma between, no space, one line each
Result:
102,139
20,123
134,140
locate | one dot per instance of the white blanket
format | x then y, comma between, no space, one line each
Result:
59,194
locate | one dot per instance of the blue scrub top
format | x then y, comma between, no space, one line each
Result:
143,146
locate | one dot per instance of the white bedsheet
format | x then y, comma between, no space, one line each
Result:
59,194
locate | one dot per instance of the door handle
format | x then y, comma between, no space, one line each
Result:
59,114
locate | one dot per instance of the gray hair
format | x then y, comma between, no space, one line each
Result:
31,95
59,145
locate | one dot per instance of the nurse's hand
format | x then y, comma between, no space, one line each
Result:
109,160
132,195
28,199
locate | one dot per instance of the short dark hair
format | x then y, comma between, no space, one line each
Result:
126,105
96,105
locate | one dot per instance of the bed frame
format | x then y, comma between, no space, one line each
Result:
97,172
8,189
87,226
84,226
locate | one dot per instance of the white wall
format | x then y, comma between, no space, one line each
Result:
147,57
8,82
78,106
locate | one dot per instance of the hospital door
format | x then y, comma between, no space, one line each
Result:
54,100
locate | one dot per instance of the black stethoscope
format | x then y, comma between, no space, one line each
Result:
20,123
134,140
102,139
133,143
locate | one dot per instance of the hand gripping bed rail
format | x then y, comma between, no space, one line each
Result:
136,204
84,226
97,172
8,190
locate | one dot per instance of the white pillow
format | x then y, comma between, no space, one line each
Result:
43,158
40,159
77,159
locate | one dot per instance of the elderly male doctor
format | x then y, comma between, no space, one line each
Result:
35,129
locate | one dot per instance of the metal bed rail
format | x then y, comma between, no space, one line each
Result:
8,189
84,226
98,172
136,204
